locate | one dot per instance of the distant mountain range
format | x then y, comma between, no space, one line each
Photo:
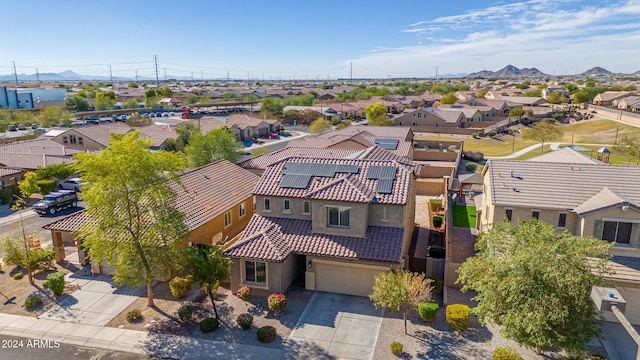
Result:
508,71
511,71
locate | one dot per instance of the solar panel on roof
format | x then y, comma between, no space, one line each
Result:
381,172
313,169
385,186
351,169
390,144
295,181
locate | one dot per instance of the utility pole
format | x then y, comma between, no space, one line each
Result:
37,75
227,76
155,57
15,73
165,74
351,75
202,74
136,76
192,76
111,76
436,74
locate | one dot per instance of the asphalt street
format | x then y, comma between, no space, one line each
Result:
14,347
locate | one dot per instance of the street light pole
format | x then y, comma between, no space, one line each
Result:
19,207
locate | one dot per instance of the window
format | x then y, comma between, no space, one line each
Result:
242,210
306,207
535,214
64,140
80,140
72,139
415,124
562,220
287,206
508,214
267,204
616,231
255,272
338,217
227,219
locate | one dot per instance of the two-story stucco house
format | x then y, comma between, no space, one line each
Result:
335,223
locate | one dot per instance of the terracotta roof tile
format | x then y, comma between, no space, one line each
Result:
273,239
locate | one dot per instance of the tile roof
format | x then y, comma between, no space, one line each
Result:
102,133
37,146
558,185
343,186
34,161
565,155
157,133
602,200
8,171
626,268
273,239
262,161
377,131
205,193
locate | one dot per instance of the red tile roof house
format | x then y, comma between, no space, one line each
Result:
216,199
336,223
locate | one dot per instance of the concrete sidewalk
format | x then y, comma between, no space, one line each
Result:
137,342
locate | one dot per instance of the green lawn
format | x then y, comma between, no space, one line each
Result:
464,216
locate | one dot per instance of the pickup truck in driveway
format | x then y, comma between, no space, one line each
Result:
56,201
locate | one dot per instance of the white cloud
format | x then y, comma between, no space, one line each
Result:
537,33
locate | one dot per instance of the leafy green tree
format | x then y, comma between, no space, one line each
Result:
151,102
376,113
132,85
139,121
54,115
190,99
516,112
590,82
230,95
533,93
29,184
164,92
480,94
132,222
131,104
630,146
536,283
557,98
581,97
105,100
209,267
543,131
401,290
184,132
343,124
150,93
442,89
55,171
78,103
319,126
573,88
449,99
217,144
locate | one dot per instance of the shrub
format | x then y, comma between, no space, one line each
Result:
209,325
244,321
505,353
180,286
266,334
243,292
437,221
492,133
396,348
427,310
185,313
56,282
435,204
452,148
41,259
276,302
471,166
45,284
134,315
475,134
458,316
436,283
32,302
18,275
474,156
47,185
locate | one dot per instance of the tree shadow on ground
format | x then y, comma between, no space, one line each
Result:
305,349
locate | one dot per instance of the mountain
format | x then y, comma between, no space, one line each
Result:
596,71
508,72
67,75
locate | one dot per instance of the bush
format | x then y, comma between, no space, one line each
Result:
474,156
209,325
505,353
14,254
56,282
396,348
45,284
458,316
41,259
185,313
266,334
492,133
471,166
134,315
32,302
18,275
277,302
436,283
47,185
435,205
475,134
244,321
437,221
180,286
6,194
427,310
452,148
243,292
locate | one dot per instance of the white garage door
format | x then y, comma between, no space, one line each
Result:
345,279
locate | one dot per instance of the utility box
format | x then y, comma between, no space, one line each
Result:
604,298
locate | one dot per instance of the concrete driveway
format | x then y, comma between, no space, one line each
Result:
336,326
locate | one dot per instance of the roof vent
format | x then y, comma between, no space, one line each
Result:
516,190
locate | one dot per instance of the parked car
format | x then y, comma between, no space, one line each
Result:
12,128
34,126
40,130
74,184
56,201
22,127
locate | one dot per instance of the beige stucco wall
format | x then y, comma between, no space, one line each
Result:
277,208
395,215
87,143
585,227
358,218
279,276
215,227
430,186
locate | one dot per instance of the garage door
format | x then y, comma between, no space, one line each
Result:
345,279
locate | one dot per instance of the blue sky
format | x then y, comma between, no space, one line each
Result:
318,39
